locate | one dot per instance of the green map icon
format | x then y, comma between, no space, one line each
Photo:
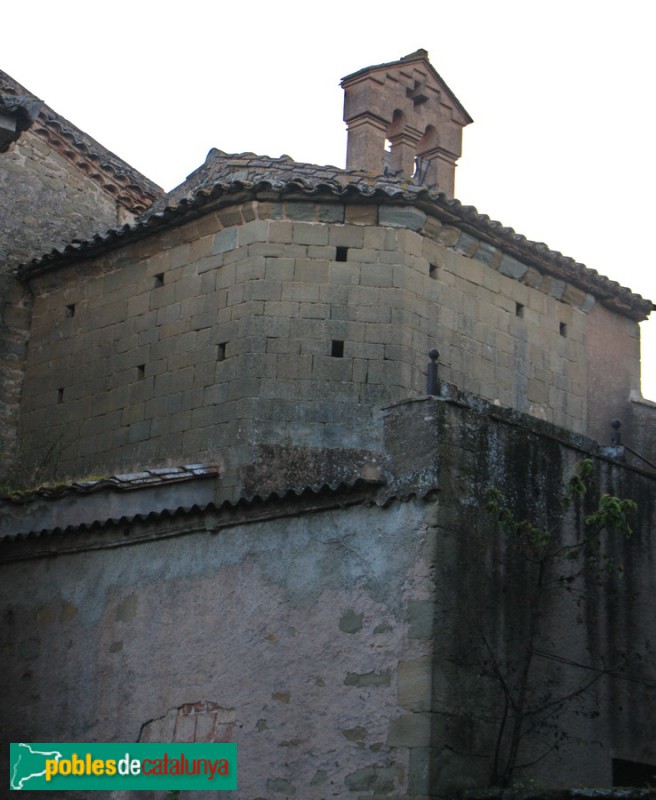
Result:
28,763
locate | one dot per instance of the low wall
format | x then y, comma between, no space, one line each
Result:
339,635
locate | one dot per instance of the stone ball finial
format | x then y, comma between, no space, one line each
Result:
616,438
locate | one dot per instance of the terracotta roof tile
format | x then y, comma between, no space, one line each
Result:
248,505
130,188
225,179
120,483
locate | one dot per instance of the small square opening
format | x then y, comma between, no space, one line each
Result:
337,348
222,351
159,280
432,271
519,310
70,310
341,253
563,329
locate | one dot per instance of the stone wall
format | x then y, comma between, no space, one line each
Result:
15,310
273,322
45,202
594,636
285,635
337,636
613,356
565,794
639,436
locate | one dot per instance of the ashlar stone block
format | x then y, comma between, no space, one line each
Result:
225,240
402,217
346,236
410,730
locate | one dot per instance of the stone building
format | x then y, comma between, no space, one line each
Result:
267,530
57,187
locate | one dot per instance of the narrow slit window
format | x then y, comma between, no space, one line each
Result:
432,271
337,348
222,351
341,253
141,372
519,310
159,279
563,329
60,396
70,310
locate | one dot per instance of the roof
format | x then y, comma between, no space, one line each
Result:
20,111
226,179
129,187
418,55
119,483
105,500
156,494
223,169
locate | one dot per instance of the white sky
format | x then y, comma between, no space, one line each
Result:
563,145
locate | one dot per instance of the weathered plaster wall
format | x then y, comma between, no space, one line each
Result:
288,322
291,637
640,432
342,646
483,590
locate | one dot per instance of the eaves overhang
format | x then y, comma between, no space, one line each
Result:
17,114
124,183
291,180
89,503
78,521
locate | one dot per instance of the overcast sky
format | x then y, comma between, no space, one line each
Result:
562,147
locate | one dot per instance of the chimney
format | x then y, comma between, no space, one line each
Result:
404,121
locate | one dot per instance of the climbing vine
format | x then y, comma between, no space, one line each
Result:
548,562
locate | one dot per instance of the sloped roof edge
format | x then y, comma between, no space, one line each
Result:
129,187
418,55
333,183
23,110
120,483
172,511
